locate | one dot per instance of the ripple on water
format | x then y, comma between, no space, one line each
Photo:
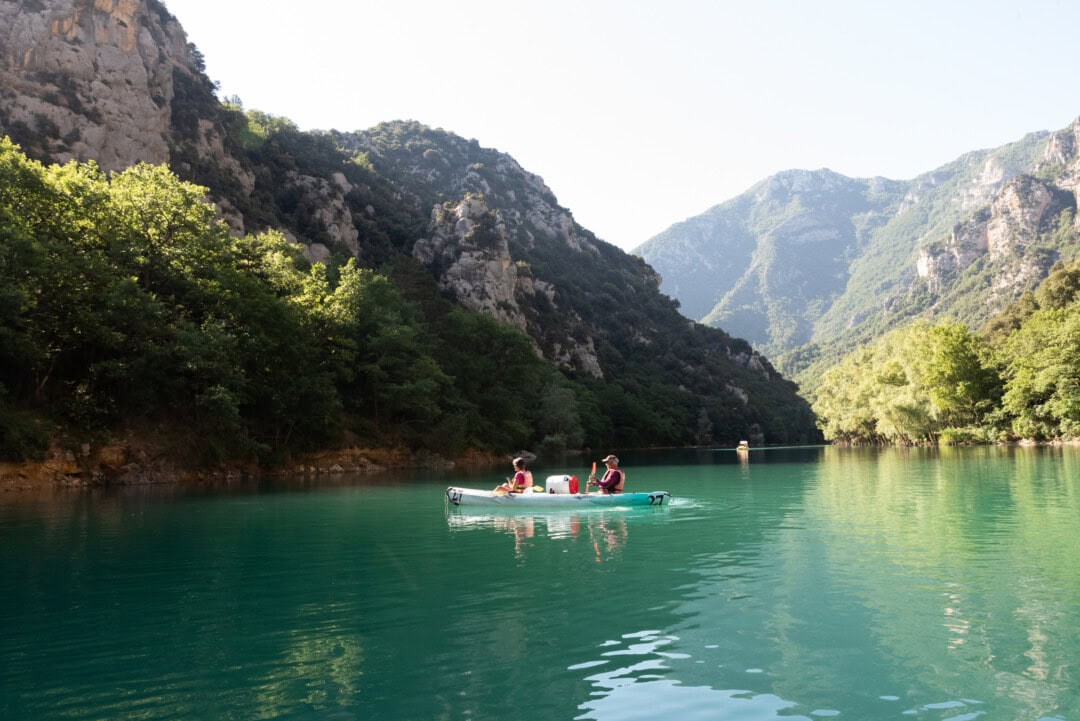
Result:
639,672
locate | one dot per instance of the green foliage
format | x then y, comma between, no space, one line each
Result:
392,380
1042,368
968,436
955,367
1020,378
125,302
1060,289
126,299
23,435
1010,318
659,372
908,386
498,390
558,418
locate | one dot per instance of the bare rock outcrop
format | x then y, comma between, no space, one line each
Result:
941,263
1017,216
92,78
467,246
326,198
105,80
1003,233
468,242
1063,149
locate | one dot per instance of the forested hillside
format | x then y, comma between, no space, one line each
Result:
396,286
1018,377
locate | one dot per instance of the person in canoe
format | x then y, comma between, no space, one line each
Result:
613,479
520,482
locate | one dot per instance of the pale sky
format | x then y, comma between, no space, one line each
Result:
641,113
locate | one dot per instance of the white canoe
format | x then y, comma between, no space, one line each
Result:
476,497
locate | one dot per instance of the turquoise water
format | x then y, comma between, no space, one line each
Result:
803,583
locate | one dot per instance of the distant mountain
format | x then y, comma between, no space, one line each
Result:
767,264
806,265
118,83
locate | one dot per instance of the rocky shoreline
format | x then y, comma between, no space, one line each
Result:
130,465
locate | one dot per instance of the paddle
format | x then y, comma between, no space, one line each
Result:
591,476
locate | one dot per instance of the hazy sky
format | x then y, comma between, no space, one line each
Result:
639,114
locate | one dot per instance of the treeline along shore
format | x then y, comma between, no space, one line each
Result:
1015,379
134,326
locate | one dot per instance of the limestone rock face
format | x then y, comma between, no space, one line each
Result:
941,263
1016,216
107,80
984,184
810,260
489,214
330,211
764,278
1063,149
468,246
468,241
1020,213
96,73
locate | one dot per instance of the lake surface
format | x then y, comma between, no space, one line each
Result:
802,583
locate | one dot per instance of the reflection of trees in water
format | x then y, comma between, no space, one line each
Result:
898,580
317,671
961,563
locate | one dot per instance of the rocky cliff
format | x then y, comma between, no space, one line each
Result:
817,261
91,79
115,81
1005,234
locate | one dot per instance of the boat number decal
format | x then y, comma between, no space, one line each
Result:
656,499
454,495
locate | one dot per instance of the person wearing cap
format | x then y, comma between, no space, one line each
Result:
613,479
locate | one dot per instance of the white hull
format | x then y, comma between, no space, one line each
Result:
529,500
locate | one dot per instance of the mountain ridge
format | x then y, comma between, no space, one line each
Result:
862,255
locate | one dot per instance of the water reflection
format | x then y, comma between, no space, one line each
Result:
604,531
828,582
319,671
986,548
936,582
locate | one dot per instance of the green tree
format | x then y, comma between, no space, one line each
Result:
954,365
394,381
161,227
1042,370
497,379
557,422
908,386
1060,288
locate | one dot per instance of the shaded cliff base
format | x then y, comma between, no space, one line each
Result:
138,461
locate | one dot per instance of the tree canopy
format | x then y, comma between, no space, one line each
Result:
126,303
1019,377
